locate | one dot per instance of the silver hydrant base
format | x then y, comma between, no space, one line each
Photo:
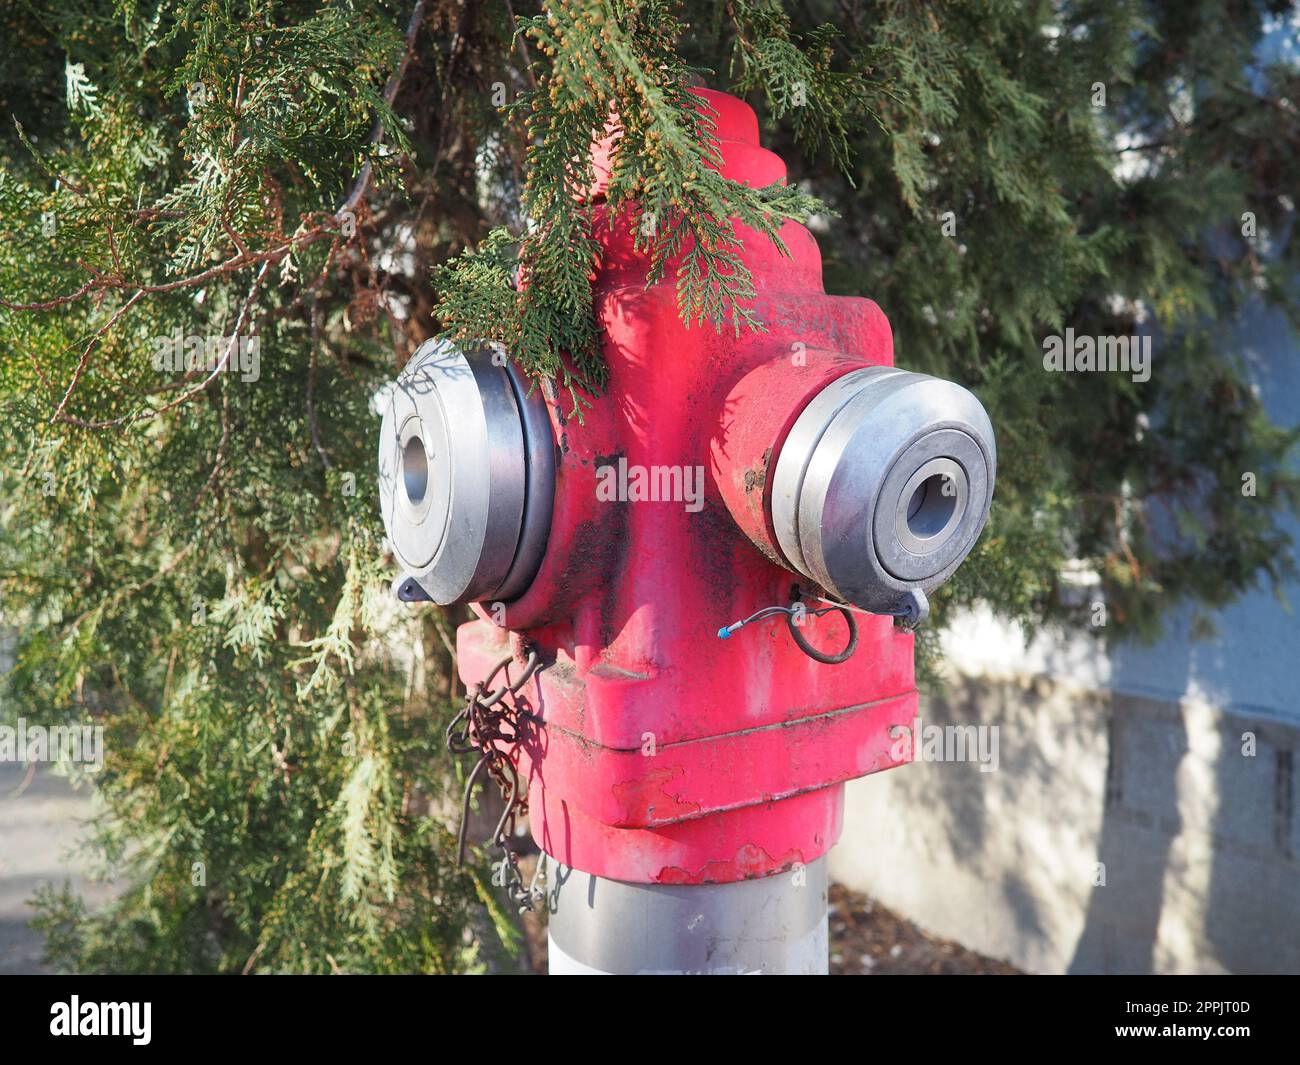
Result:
773,925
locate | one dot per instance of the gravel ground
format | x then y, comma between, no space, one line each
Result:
869,940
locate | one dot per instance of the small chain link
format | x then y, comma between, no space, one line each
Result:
492,728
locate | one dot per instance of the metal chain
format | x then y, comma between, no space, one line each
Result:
492,728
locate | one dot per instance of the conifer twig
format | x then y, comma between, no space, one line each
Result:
362,184
129,419
85,355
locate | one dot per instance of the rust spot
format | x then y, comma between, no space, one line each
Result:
756,478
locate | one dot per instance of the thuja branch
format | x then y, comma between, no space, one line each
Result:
316,227
610,69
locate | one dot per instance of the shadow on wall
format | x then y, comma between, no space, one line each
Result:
1145,748
1197,844
1120,833
1253,905
1122,923
1234,861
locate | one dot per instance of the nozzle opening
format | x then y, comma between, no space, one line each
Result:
415,470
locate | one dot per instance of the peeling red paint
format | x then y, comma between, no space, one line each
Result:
749,863
648,796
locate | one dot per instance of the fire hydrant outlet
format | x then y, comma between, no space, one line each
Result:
466,474
883,485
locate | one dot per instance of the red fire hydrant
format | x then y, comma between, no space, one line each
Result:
685,786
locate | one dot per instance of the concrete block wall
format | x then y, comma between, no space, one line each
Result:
1119,833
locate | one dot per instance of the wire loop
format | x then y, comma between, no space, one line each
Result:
821,656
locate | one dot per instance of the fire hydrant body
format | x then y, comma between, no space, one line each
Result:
701,488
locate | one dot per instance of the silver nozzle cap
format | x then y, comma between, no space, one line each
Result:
466,475
883,485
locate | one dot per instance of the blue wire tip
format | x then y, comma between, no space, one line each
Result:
724,633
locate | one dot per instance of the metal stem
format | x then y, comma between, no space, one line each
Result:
772,925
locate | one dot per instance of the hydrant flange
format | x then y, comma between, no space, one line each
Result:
466,474
883,485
